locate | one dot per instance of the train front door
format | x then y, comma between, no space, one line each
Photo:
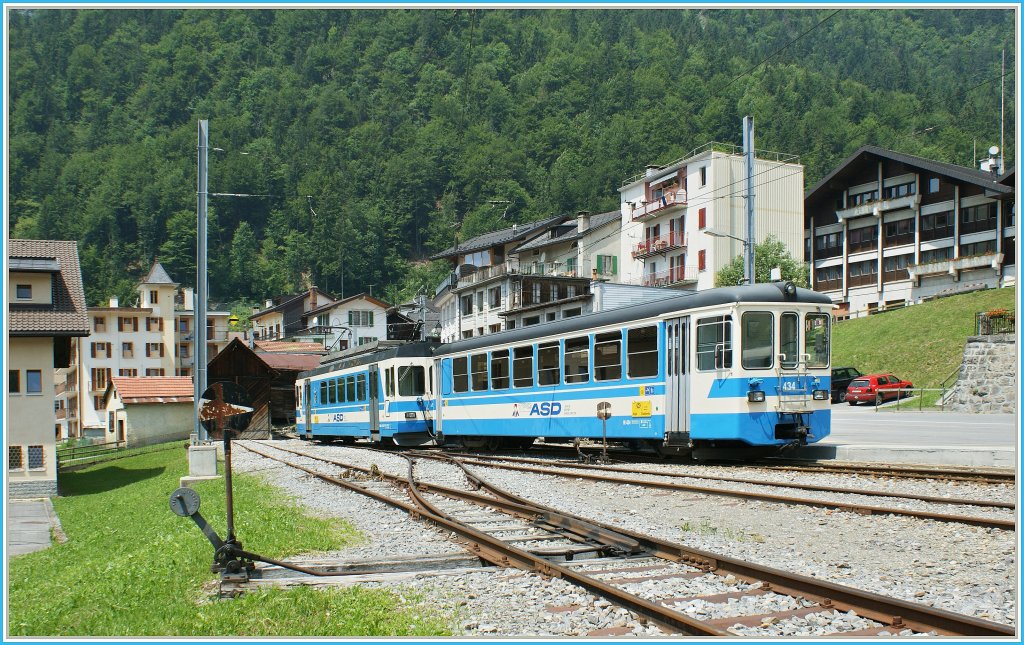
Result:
677,366
304,397
374,387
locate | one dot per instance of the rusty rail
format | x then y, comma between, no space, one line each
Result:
863,509
891,612
741,480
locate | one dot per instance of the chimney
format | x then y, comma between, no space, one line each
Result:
312,297
582,221
269,304
113,302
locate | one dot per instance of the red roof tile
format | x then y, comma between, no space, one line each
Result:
291,362
290,347
66,315
153,389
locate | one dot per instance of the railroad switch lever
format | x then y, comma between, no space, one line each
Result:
228,557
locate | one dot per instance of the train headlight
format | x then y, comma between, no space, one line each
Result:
410,415
755,396
820,395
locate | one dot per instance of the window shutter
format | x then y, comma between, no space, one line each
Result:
120,323
350,318
135,324
161,350
615,265
148,325
108,350
371,319
92,349
702,218
161,324
600,264
700,260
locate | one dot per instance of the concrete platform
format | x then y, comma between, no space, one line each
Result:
862,433
29,524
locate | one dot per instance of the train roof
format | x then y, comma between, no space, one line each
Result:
763,293
421,349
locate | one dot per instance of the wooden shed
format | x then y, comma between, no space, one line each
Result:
268,377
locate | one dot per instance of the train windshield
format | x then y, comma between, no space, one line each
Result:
756,343
411,381
789,340
816,339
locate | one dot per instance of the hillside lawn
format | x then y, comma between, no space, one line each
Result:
132,568
922,343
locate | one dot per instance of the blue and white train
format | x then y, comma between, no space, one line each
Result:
728,372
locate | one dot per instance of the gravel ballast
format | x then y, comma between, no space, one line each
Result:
959,568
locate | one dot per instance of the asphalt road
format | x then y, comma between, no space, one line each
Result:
863,425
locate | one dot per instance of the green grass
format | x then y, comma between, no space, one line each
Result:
922,343
131,567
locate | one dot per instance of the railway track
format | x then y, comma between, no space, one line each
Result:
952,474
594,473
618,564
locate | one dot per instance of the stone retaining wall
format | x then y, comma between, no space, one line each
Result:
32,489
988,376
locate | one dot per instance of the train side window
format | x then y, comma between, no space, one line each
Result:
430,380
499,370
460,374
389,383
714,343
608,356
323,392
757,340
478,372
642,351
350,388
816,339
332,391
361,387
410,380
577,360
522,366
789,340
341,389
547,364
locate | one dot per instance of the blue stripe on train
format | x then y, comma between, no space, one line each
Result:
652,427
757,428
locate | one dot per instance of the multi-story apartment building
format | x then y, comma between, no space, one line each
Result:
154,338
886,228
46,304
356,320
669,212
468,299
283,317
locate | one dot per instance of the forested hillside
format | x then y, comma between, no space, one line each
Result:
373,138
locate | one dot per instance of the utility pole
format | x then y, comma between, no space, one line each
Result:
748,154
199,378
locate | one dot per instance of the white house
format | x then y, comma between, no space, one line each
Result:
147,410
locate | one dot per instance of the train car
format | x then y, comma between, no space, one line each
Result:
728,372
384,395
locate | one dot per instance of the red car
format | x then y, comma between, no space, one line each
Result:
877,388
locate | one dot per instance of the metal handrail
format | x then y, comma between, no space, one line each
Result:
920,399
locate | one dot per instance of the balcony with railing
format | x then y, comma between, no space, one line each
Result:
664,204
660,244
670,277
955,265
60,388
878,206
484,274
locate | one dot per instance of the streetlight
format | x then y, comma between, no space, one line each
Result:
748,255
